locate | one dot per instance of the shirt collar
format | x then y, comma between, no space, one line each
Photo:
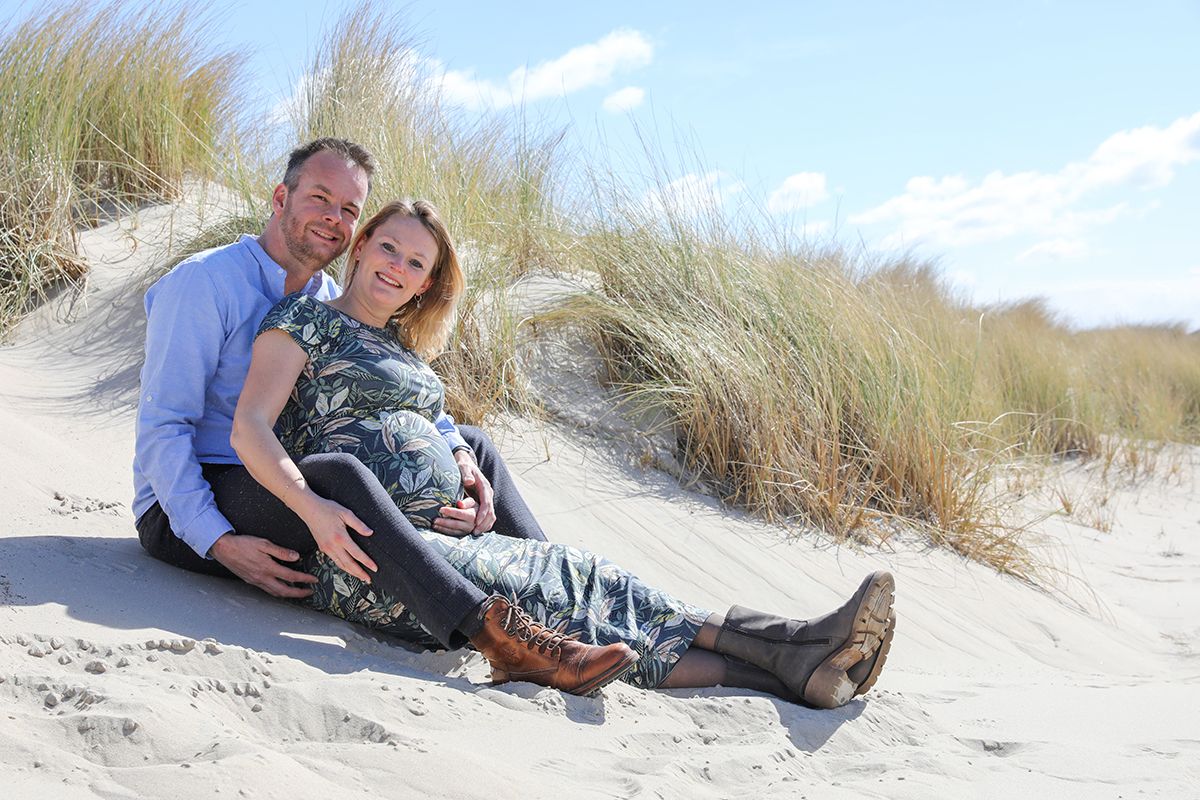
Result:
273,275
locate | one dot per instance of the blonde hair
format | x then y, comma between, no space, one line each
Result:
424,327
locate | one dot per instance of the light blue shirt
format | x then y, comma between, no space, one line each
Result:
201,320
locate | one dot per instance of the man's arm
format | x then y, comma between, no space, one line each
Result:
184,337
445,425
468,516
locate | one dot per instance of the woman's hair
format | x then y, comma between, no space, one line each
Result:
424,329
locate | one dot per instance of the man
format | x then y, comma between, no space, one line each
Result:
199,509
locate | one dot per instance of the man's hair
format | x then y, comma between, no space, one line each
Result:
343,147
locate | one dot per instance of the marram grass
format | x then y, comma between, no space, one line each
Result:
802,382
104,106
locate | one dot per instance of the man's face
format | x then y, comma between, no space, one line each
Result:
318,217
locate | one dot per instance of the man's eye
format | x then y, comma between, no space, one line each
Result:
353,212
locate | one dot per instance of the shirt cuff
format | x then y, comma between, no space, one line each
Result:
455,440
204,530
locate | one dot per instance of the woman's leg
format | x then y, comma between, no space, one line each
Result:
700,668
566,590
826,660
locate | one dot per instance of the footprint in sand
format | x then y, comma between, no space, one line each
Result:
69,505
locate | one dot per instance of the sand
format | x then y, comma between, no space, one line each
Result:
121,677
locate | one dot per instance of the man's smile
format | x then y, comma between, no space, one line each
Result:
325,235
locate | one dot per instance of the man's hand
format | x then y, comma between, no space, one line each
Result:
256,561
479,488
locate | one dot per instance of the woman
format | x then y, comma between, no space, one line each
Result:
345,376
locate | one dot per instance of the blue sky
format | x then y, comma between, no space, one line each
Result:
1031,148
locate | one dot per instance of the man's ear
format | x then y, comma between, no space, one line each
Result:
278,198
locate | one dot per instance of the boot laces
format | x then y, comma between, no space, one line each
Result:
523,628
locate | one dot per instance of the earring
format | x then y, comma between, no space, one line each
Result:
418,299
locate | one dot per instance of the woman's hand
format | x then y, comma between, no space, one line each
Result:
458,519
328,521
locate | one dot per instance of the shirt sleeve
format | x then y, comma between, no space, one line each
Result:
299,316
184,336
445,425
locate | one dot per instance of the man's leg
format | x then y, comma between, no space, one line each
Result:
409,569
157,538
513,517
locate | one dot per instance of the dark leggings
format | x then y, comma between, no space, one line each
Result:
408,568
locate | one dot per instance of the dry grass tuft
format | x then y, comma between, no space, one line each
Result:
106,106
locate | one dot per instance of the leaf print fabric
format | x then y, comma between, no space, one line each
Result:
361,392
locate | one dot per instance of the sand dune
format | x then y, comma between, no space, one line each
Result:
121,677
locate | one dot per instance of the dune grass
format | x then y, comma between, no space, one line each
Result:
491,177
105,106
803,381
809,384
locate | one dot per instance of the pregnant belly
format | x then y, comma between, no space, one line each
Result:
410,458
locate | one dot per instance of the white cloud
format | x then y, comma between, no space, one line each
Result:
797,192
582,67
625,99
1057,249
953,210
963,277
1128,300
693,196
295,107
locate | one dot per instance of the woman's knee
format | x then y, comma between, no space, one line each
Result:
329,473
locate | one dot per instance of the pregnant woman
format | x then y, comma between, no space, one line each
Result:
349,376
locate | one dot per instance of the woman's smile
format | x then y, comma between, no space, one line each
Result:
394,264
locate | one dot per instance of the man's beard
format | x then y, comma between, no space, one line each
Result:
299,246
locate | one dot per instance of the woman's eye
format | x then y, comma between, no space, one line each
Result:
416,264
388,247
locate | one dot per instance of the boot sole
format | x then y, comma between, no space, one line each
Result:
592,687
618,670
885,645
830,686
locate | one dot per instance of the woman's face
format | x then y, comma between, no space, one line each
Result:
394,263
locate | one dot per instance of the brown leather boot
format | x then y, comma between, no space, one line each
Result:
520,649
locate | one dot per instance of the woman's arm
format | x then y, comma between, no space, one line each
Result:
275,364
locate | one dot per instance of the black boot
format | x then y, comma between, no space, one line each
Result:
814,658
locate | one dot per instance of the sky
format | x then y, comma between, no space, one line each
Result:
1027,148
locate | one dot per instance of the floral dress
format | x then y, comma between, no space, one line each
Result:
361,392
